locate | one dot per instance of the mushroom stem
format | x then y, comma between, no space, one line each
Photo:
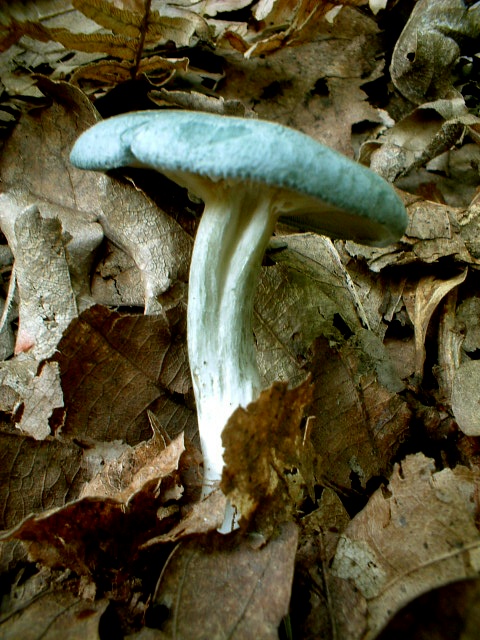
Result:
231,240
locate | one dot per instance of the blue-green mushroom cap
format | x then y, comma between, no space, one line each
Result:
322,190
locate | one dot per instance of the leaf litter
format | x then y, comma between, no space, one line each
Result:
356,472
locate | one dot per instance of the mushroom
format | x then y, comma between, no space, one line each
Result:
249,173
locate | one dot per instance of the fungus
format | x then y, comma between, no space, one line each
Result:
250,174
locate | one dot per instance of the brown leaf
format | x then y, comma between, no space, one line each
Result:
465,397
203,517
122,506
307,87
360,420
114,367
12,30
106,14
314,585
307,293
225,587
435,231
439,614
293,23
158,245
55,614
123,477
44,395
425,536
130,30
114,45
45,178
47,302
69,536
421,300
267,461
196,101
39,203
429,153
430,45
36,475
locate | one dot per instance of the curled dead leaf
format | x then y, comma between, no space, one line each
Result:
268,461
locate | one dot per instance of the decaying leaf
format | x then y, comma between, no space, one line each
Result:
268,461
68,536
292,23
47,301
102,498
158,69
203,517
429,46
450,341
122,477
435,231
306,294
124,33
45,395
197,101
104,357
52,245
230,587
466,397
430,145
426,537
359,418
316,88
315,586
37,475
421,300
439,613
54,613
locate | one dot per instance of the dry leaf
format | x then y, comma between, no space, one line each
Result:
430,44
292,24
114,367
30,393
54,614
196,101
203,517
360,418
425,536
314,584
43,396
451,338
468,324
268,463
421,300
36,475
130,31
123,477
315,88
158,245
117,282
466,397
439,614
160,248
435,231
429,146
230,588
47,301
308,293
43,140
68,536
